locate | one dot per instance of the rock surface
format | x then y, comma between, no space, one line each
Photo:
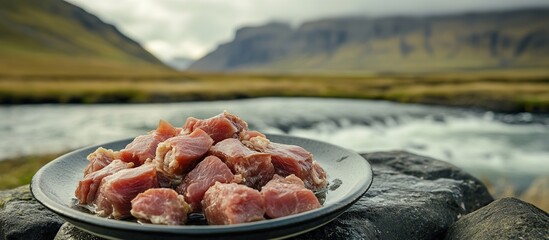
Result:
507,218
69,231
412,197
22,217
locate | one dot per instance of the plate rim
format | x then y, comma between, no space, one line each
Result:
339,207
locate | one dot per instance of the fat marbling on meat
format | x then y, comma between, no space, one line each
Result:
247,135
203,176
99,159
255,167
291,159
287,196
220,127
117,190
86,192
160,206
231,203
144,147
176,155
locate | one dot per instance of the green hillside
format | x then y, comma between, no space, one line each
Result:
56,37
514,39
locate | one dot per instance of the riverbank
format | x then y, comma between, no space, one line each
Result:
18,171
15,172
502,91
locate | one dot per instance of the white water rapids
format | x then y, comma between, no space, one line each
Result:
484,143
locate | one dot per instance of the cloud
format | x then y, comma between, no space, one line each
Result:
192,28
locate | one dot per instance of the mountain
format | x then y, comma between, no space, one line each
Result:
180,63
484,40
56,37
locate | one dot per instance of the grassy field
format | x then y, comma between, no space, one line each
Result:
55,37
19,171
507,91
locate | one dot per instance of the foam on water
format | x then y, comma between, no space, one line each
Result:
469,142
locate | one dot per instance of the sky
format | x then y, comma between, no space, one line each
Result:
192,28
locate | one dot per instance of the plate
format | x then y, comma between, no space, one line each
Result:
349,176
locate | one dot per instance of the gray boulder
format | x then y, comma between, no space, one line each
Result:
22,217
70,232
507,218
412,197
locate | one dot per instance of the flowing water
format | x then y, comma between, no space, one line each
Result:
487,144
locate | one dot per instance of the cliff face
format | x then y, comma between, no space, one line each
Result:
468,41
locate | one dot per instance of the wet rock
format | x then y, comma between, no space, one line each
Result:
22,217
475,194
70,232
507,218
412,197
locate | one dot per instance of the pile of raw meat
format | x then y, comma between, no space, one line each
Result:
214,166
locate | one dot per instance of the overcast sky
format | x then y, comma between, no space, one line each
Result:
192,28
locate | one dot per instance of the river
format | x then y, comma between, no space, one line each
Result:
491,145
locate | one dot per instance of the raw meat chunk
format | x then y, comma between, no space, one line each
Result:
231,203
160,206
216,166
117,190
176,156
255,167
237,122
219,127
86,192
99,159
202,177
291,159
287,196
144,147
